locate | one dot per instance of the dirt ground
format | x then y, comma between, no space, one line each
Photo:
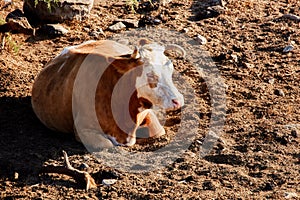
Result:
258,155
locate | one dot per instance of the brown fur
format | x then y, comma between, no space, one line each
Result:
53,88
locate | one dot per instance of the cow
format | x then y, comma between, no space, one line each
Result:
103,91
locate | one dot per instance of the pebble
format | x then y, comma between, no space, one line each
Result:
288,48
97,33
279,92
185,30
202,40
291,16
130,23
290,195
83,166
249,65
53,29
156,21
109,182
295,133
117,27
234,57
271,81
16,175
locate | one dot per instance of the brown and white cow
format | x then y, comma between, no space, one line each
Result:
103,91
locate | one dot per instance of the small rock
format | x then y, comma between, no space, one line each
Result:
17,22
83,166
109,182
37,11
86,29
295,133
14,14
130,23
290,195
249,65
288,48
97,33
156,21
53,30
208,185
185,30
279,92
202,40
292,17
268,186
117,27
16,175
234,57
271,81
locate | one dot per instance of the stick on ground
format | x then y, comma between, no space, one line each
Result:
81,177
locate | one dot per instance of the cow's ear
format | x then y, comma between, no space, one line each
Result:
124,64
144,41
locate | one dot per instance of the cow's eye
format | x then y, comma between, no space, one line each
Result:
152,79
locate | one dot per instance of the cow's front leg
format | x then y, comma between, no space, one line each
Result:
155,128
95,140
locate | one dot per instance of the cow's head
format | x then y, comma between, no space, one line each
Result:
155,83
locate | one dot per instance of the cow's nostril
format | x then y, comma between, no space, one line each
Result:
176,103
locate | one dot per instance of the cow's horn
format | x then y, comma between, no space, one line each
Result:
176,48
135,54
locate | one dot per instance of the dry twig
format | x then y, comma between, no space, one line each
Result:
81,177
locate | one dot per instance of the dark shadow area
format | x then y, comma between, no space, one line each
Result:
205,9
26,143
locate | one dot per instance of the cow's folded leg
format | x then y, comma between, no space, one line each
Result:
131,139
155,128
94,139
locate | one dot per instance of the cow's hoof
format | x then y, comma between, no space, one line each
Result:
130,141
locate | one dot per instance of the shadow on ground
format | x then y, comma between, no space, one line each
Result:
26,143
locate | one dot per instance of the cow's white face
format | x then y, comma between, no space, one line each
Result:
155,84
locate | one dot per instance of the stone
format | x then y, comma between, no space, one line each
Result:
109,182
117,27
17,22
249,65
97,33
295,133
56,11
53,30
84,166
202,40
288,48
130,23
234,57
290,195
279,92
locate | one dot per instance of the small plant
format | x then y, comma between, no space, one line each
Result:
134,4
8,41
2,21
48,2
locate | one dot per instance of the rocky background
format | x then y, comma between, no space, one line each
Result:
255,46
